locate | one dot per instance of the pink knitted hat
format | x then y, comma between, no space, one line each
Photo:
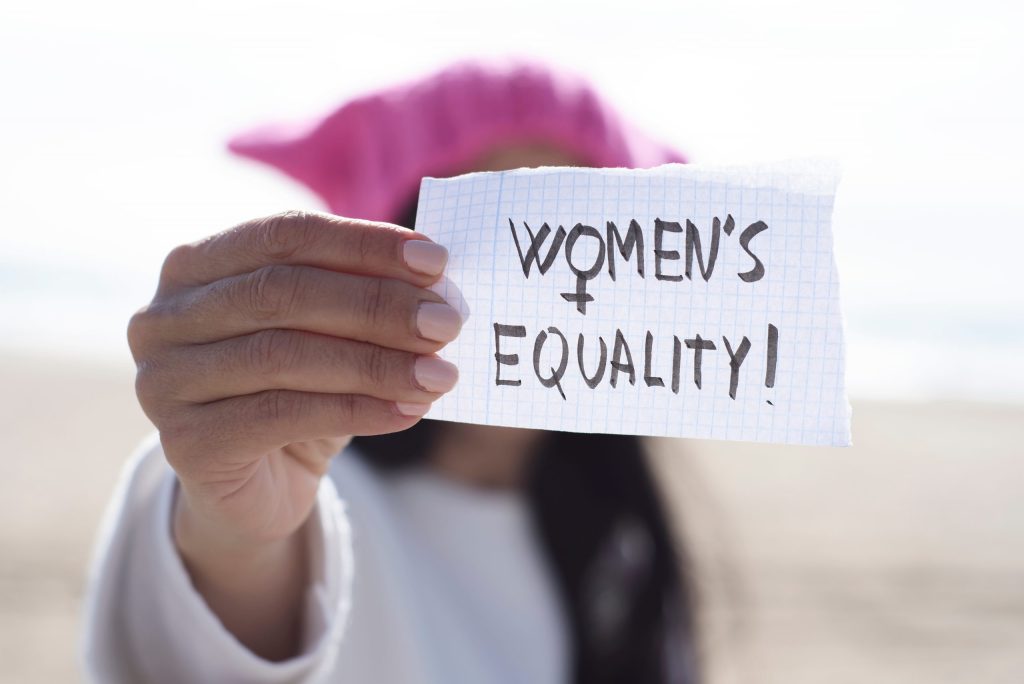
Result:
366,158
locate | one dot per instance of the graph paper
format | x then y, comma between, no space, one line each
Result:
704,343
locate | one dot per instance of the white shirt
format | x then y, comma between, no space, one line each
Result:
416,580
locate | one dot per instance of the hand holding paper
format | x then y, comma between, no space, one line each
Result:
681,301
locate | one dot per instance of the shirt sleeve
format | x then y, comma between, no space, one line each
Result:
144,621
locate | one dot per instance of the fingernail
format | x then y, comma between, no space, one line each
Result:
434,374
425,257
438,322
408,408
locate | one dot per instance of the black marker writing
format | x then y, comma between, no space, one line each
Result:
677,358
632,246
580,296
698,345
773,355
506,359
651,380
622,349
592,381
665,254
555,380
622,361
735,361
693,247
536,242
746,236
634,242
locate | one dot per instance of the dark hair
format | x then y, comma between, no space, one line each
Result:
606,535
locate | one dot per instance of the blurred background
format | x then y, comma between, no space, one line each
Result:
899,560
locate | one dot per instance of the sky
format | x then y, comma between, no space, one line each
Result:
115,114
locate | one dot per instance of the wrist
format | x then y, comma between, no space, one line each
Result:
204,537
253,585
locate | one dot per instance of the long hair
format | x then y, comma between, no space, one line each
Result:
606,536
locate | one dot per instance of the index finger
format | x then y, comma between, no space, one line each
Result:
309,239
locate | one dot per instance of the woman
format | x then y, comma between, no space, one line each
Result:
432,552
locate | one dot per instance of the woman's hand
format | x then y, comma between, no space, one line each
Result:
265,348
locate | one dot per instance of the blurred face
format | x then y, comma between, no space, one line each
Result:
481,454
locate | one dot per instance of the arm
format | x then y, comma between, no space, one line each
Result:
264,350
144,620
255,589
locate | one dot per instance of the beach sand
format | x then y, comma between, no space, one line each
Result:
898,560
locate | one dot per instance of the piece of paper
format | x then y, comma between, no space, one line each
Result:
683,301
